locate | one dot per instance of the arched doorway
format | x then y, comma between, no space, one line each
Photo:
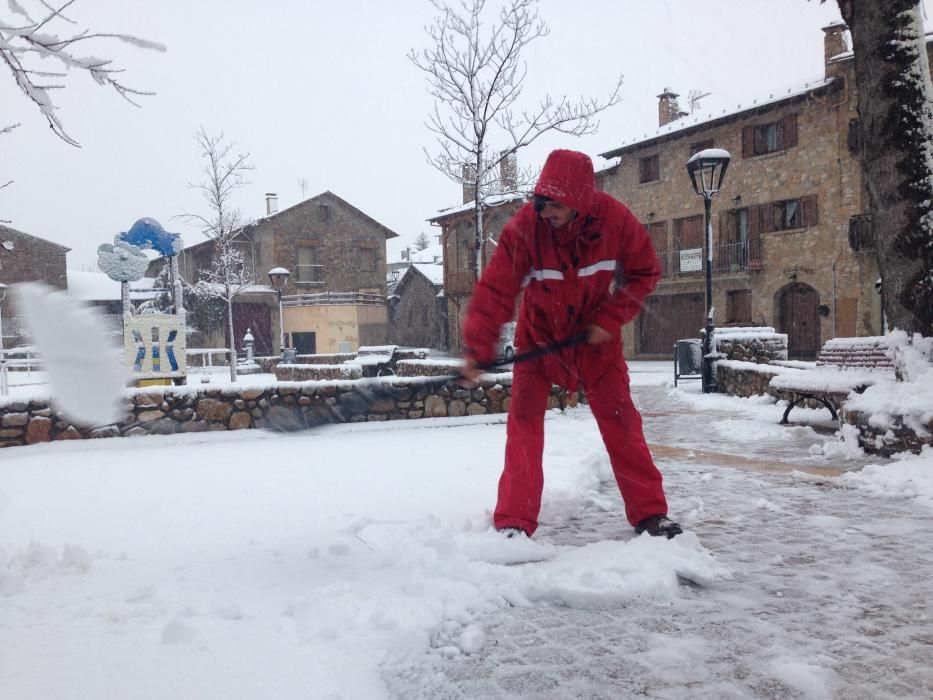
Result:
797,316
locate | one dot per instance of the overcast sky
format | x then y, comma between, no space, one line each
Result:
322,90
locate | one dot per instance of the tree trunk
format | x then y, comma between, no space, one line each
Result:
896,121
229,301
478,214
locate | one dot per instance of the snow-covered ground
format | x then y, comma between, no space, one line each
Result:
357,562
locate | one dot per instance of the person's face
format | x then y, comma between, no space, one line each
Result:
557,214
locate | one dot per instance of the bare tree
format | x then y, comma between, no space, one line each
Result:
31,37
422,241
892,74
475,73
228,275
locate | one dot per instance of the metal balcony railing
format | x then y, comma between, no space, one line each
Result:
736,256
309,274
334,298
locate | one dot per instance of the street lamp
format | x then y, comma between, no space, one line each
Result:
707,169
2,297
278,277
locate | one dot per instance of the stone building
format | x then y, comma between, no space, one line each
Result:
790,243
418,308
335,298
458,241
30,259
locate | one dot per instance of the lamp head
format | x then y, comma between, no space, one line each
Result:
707,168
278,277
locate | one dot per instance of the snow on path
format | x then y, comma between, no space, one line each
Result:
244,565
356,563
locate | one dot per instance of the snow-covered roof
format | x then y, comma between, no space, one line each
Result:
433,271
431,254
491,201
97,286
710,118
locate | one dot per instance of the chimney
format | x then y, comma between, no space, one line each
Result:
467,176
668,109
834,43
272,203
508,172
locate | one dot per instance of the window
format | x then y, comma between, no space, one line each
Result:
739,306
649,169
757,140
700,146
785,215
788,214
308,271
367,259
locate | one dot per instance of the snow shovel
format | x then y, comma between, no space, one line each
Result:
291,419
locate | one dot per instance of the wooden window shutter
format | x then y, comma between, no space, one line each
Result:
789,129
748,141
766,218
811,214
754,237
726,219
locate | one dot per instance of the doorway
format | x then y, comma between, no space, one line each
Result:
797,317
305,343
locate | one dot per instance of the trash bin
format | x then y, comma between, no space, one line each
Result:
688,359
289,356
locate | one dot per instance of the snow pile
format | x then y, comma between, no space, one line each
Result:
911,399
299,561
907,476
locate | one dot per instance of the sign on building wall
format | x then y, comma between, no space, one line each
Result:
155,346
691,260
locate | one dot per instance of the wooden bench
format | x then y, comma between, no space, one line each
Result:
844,365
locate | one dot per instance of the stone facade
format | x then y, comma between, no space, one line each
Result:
417,315
32,259
327,245
187,409
811,276
457,238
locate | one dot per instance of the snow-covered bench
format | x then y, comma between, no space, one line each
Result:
844,366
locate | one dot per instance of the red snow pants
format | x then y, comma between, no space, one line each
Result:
619,422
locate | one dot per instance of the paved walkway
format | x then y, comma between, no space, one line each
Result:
830,595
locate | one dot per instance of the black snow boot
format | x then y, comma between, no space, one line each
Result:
511,532
658,526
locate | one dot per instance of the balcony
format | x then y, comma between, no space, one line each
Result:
309,274
736,256
334,298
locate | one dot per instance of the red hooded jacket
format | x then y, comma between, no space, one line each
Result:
597,269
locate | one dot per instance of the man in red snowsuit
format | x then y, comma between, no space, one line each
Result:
584,264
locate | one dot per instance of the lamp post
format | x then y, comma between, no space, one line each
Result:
2,297
278,277
707,169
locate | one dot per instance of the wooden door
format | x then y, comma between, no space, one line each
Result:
667,318
797,317
258,319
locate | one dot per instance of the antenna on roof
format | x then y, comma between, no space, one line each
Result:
694,98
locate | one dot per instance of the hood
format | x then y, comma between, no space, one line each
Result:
568,177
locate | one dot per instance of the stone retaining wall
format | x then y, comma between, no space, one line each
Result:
186,409
759,345
744,378
888,440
